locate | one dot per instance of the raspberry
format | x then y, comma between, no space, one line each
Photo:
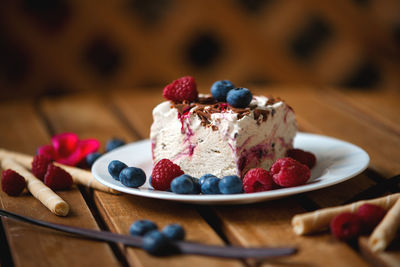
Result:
181,89
305,157
12,182
57,178
346,226
370,216
257,180
39,166
163,174
288,172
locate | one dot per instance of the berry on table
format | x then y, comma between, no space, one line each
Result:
183,185
371,216
184,88
239,97
210,186
205,177
346,226
220,89
155,242
132,177
57,179
257,180
115,167
114,143
163,174
141,227
230,185
174,232
288,172
39,165
92,157
305,157
12,182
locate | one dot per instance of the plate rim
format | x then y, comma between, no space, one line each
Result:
232,198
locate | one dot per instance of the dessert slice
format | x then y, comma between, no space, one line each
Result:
207,136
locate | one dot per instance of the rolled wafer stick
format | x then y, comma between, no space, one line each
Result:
38,189
318,220
386,230
79,176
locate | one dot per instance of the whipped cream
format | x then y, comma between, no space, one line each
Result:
215,138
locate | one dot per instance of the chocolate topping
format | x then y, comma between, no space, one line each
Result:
207,105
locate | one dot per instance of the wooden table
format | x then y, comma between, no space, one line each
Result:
369,119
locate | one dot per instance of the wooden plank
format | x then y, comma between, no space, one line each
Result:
96,120
260,224
387,258
21,130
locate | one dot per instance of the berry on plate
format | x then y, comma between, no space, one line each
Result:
305,157
12,182
132,177
346,226
163,174
220,89
57,179
91,158
210,186
239,97
370,215
230,185
174,232
183,184
288,172
141,227
257,180
114,143
115,167
196,186
205,177
39,165
184,88
155,242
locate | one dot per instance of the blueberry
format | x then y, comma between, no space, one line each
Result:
115,167
155,242
174,232
114,143
183,185
230,185
132,177
205,177
210,186
141,227
196,187
239,97
220,89
92,157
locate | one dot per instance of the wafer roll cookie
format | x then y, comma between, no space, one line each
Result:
79,176
318,220
39,190
386,230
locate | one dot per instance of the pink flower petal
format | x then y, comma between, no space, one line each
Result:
65,144
83,148
48,151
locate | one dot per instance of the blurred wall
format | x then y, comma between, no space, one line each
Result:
52,46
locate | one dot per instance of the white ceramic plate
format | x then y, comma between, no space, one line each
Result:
337,161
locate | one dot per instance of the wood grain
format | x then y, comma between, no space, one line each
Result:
97,120
21,130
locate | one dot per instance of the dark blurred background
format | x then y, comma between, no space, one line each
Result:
57,46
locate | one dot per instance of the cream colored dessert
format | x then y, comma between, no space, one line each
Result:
213,137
